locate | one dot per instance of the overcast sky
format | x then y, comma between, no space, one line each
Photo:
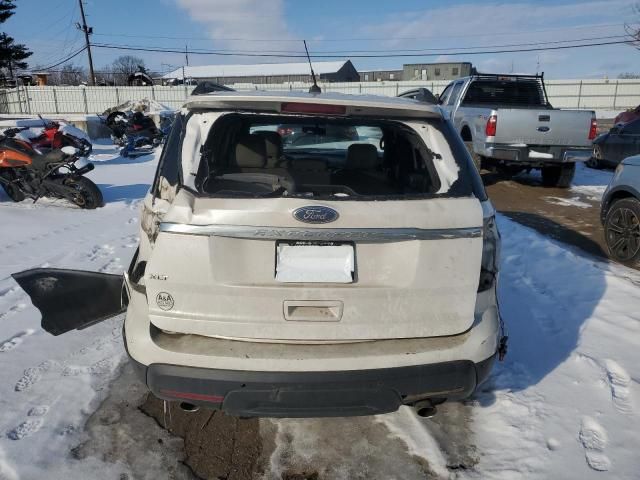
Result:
47,27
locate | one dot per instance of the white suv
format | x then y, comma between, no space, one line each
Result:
346,271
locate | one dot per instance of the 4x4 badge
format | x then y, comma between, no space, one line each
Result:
164,301
315,214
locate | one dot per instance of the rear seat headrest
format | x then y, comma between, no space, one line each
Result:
251,152
362,156
273,142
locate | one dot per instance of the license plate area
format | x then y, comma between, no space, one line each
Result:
315,262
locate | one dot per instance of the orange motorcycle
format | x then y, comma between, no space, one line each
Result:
25,172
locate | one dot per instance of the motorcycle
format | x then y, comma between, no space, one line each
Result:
25,172
135,132
52,138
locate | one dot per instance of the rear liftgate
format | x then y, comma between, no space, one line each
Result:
72,299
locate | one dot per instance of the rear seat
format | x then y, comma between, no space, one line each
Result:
361,172
310,171
249,170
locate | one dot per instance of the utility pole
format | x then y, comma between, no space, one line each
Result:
87,31
186,55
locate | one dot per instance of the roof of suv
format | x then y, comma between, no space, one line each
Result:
353,105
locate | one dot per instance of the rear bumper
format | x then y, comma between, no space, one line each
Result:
314,394
300,380
536,156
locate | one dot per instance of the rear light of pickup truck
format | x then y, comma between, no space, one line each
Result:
492,126
593,131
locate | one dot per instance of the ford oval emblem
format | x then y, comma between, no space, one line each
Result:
315,214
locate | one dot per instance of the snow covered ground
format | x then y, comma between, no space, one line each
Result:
49,385
564,404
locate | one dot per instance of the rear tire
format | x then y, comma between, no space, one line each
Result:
622,231
88,194
477,159
560,176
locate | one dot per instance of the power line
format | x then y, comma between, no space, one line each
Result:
348,52
75,54
356,39
385,55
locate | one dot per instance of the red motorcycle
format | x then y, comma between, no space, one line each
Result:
53,138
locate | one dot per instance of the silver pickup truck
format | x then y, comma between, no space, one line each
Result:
509,125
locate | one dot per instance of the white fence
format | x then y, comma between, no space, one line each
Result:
586,94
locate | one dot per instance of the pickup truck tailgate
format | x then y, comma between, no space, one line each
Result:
543,127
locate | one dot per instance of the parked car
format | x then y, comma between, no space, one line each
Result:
338,279
627,116
610,148
300,135
620,212
509,125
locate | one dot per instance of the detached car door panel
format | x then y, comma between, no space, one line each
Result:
72,299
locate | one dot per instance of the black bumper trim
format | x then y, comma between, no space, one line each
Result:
314,394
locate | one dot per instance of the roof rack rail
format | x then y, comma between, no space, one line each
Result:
507,75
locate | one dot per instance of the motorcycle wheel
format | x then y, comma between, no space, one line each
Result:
14,192
87,195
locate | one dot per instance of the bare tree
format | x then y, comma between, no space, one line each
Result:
124,66
628,75
71,74
632,30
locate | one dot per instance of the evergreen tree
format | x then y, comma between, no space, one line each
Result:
7,8
12,55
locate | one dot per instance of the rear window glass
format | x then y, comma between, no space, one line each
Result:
505,92
252,155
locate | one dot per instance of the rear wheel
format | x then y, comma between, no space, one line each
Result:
477,159
622,231
86,194
558,176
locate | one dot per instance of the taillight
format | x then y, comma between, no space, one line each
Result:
285,131
492,126
594,129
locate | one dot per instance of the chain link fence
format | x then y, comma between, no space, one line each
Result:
585,94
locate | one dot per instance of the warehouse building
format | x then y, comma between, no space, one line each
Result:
437,71
342,71
380,75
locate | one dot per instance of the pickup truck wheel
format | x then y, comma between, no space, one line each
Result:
622,231
559,176
477,159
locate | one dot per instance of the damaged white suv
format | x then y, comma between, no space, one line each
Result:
306,255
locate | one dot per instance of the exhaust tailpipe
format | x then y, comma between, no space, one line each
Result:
425,409
189,407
